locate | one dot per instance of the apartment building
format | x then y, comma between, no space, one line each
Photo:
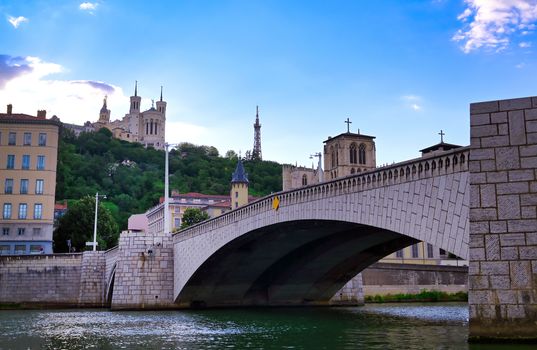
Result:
28,157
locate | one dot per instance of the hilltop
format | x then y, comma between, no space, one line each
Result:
132,176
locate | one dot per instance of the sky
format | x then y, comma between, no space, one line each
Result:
400,70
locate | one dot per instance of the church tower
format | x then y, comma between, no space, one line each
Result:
161,105
135,100
348,153
256,152
104,115
239,187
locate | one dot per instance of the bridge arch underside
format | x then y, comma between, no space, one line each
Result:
295,263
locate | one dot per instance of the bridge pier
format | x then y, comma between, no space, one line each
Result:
503,220
352,293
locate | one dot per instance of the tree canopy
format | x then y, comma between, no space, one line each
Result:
192,216
77,225
132,176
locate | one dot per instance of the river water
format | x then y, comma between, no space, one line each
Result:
380,326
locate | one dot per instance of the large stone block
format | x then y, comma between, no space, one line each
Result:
515,103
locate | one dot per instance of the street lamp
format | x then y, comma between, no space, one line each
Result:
167,190
94,243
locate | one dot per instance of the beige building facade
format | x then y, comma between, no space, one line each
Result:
28,158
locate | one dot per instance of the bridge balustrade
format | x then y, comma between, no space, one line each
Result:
420,168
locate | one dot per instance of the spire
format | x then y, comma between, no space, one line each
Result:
104,109
161,93
239,175
136,88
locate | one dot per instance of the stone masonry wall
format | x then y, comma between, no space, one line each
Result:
92,279
503,219
144,272
387,278
40,280
352,293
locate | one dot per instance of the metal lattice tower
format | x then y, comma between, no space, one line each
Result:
256,152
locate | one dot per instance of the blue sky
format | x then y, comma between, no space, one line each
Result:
400,70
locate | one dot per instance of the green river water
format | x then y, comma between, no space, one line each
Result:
382,326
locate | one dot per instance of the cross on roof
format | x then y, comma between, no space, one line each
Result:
348,122
441,133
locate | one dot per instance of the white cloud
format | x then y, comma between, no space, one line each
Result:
177,132
491,23
520,65
88,6
524,44
73,101
413,102
16,22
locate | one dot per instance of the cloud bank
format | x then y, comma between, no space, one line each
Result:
26,83
490,24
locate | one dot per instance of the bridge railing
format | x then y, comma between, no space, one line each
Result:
448,162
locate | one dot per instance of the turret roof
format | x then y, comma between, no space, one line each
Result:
239,175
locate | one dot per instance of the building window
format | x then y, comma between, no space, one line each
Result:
27,139
39,184
399,253
236,194
177,222
5,231
8,186
415,252
38,211
430,250
26,162
10,161
7,211
443,253
4,249
236,204
20,249
40,162
12,139
35,249
304,180
36,231
361,154
21,231
23,210
353,154
24,186
42,139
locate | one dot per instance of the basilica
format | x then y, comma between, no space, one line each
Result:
147,127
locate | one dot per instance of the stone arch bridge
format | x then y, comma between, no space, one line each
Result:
322,235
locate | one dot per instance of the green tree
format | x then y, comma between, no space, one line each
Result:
192,216
77,225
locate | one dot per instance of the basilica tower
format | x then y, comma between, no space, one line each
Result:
104,115
135,101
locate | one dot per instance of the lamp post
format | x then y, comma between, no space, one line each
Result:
94,243
167,190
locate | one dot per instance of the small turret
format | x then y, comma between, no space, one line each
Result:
135,100
104,115
239,186
161,104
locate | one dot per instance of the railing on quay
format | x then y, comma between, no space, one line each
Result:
444,163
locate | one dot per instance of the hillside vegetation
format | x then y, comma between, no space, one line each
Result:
132,177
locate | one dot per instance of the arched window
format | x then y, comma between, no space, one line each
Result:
352,171
353,153
337,155
333,155
361,154
304,180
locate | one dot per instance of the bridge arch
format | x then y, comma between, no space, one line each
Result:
311,246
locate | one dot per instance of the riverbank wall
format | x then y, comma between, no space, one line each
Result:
388,278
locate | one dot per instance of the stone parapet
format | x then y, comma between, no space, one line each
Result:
503,219
92,279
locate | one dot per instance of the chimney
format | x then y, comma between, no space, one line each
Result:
42,114
9,109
